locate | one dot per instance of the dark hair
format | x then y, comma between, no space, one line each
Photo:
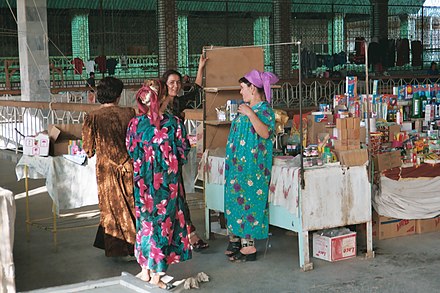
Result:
109,90
248,83
166,75
92,73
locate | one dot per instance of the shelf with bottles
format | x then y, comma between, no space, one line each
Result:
218,122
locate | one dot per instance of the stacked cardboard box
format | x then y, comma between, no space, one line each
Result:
428,225
386,227
348,134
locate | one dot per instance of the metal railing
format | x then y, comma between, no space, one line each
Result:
19,118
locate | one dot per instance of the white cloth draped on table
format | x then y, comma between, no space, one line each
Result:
411,198
7,223
216,170
69,185
283,190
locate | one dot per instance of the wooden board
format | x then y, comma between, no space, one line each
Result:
226,66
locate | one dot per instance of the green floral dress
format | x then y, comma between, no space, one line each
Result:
247,174
161,220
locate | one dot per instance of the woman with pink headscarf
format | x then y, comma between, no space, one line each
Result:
158,145
248,166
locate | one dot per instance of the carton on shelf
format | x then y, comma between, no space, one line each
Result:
60,135
334,248
36,145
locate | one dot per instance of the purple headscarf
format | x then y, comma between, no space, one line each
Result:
262,80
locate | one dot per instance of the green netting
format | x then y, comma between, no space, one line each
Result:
80,36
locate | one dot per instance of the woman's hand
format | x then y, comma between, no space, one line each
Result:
245,110
202,61
199,76
260,128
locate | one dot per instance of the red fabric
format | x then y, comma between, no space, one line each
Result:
102,63
78,64
423,170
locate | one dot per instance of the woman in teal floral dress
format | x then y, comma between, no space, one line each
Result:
248,166
158,145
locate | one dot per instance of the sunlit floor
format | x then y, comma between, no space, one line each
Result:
406,264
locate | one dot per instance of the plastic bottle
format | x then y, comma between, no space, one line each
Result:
416,106
424,101
233,110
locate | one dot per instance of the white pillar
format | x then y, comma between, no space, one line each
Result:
33,50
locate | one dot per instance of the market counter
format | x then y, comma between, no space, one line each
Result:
333,196
409,192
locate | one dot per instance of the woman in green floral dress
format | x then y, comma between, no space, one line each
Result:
158,145
248,166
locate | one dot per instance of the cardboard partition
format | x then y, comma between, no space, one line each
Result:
227,65
60,134
387,161
353,157
315,128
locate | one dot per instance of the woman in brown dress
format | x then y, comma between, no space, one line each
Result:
103,133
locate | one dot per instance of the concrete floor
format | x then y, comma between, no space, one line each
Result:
406,264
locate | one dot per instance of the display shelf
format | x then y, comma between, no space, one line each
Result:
217,122
230,88
221,88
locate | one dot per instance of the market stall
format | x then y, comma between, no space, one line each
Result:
307,193
70,185
334,196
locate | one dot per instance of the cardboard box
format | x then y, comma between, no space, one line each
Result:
341,123
334,248
315,128
342,134
392,130
36,145
340,145
60,134
354,134
428,225
385,227
352,157
363,134
387,161
353,144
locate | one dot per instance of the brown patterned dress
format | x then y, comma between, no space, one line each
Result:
103,133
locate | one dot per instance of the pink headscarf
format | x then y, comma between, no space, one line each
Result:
262,80
147,98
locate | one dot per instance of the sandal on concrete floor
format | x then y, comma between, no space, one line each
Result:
199,244
233,248
240,257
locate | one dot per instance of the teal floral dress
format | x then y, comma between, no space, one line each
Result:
247,174
161,220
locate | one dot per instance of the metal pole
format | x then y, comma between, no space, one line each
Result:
301,134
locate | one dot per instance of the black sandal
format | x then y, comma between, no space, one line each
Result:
199,244
233,248
240,257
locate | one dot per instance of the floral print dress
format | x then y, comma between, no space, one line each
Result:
247,175
161,225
